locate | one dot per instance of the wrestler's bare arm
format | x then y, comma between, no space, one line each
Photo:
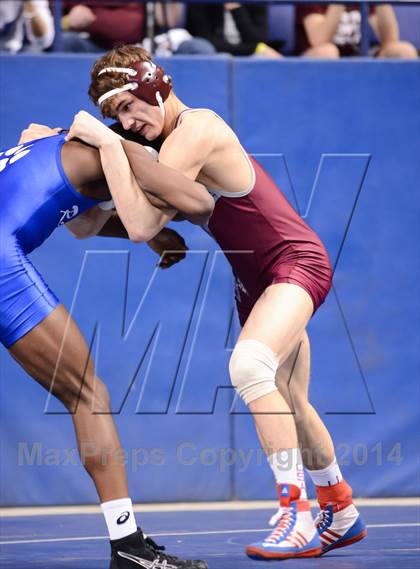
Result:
170,185
85,167
141,219
162,186
143,174
89,223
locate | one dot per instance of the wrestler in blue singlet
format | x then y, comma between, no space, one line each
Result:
35,198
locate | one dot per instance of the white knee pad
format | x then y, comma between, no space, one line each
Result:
252,368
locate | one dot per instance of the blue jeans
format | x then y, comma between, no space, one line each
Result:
76,43
196,46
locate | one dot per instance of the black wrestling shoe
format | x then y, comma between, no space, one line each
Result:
136,551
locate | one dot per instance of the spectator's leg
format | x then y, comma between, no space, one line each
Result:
398,49
76,43
323,51
196,46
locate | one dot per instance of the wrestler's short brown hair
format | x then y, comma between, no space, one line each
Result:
122,56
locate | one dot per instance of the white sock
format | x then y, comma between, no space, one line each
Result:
119,518
287,467
327,476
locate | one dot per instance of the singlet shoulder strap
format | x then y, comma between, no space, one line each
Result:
185,111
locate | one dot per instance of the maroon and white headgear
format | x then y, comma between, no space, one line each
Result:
147,81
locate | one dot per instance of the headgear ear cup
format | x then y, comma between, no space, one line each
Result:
151,79
148,82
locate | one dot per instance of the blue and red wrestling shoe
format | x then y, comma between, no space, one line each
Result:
339,528
295,534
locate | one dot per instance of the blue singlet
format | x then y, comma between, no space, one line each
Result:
35,198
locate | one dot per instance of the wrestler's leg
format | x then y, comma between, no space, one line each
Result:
270,334
292,379
338,513
55,354
278,321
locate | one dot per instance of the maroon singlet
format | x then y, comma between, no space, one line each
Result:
267,242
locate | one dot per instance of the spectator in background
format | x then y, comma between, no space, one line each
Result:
239,29
98,26
25,25
171,38
333,30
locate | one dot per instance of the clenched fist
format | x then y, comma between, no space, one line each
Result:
92,131
170,246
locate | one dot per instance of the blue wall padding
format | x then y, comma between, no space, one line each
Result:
363,115
341,140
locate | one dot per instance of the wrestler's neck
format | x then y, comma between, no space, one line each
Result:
173,108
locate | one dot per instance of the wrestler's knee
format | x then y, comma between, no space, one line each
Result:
75,392
252,370
101,403
94,396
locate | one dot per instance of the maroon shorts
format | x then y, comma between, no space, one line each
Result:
312,273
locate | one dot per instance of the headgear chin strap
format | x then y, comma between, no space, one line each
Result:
149,82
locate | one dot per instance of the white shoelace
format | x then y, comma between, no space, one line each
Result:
321,518
275,518
283,519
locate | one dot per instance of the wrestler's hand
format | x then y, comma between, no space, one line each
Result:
92,131
35,131
170,241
